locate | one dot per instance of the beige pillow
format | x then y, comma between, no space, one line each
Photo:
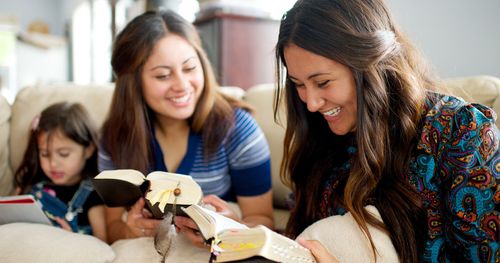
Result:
135,250
25,242
142,250
343,238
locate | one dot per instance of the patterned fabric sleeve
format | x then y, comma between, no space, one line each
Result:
471,166
249,157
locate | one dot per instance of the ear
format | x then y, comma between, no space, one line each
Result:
89,151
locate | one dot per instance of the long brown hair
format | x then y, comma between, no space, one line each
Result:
126,133
391,82
74,122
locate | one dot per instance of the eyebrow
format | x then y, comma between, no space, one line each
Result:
169,67
310,77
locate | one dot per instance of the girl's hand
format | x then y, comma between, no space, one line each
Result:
140,222
221,207
187,226
318,250
64,225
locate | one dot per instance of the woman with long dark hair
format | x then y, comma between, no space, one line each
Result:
367,126
168,114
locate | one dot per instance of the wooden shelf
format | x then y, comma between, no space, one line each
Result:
240,47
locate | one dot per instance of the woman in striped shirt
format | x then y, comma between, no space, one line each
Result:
167,114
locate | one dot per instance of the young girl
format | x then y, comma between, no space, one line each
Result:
59,161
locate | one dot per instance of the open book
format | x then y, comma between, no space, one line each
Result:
209,222
232,240
21,208
259,241
164,192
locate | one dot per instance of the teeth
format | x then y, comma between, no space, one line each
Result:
182,99
332,112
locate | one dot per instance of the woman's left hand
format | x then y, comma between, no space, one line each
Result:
318,250
221,207
188,228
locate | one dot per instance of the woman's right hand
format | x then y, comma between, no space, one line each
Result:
188,228
140,222
319,252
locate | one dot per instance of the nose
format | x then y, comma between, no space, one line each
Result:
181,82
53,161
313,99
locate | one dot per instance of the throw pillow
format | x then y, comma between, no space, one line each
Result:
25,242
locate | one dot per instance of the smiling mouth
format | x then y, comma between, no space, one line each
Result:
333,112
181,99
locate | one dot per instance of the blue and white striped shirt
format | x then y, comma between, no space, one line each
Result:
240,167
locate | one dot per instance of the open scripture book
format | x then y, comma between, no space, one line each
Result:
164,192
231,240
21,208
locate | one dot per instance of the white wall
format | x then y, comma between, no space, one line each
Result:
458,37
26,11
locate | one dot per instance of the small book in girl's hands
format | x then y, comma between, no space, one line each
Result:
164,192
21,208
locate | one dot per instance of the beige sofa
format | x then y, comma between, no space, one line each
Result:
15,120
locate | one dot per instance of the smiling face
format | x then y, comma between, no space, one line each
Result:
173,79
61,158
325,86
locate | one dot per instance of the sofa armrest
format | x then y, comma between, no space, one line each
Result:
6,176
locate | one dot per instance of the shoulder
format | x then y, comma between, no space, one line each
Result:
451,122
448,112
243,122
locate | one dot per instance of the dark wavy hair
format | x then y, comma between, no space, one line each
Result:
391,83
126,133
74,122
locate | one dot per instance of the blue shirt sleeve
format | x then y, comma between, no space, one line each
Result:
249,157
104,160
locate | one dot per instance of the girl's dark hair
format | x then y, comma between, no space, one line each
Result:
391,83
72,120
126,134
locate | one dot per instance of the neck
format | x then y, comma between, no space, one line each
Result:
168,126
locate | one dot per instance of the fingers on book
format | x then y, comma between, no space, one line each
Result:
233,241
164,192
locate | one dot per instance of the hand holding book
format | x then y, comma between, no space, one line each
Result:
163,191
231,240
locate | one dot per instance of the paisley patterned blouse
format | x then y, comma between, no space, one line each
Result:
456,169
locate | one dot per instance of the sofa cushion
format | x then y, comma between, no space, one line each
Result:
479,89
261,98
31,101
6,178
25,242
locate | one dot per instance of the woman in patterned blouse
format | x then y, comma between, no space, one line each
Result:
366,125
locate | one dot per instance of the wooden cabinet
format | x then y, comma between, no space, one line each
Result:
240,48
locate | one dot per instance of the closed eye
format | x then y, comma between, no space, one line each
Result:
297,85
323,84
190,69
162,77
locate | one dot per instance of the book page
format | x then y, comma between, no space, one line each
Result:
221,222
163,185
133,176
260,241
21,208
210,222
283,249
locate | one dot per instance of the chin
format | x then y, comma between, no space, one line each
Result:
340,131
